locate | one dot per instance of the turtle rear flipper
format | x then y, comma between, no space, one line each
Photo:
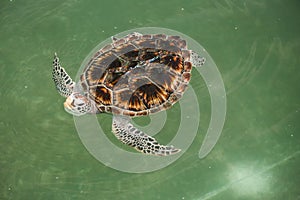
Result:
197,60
142,142
63,82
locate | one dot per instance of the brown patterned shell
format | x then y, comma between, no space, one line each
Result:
138,74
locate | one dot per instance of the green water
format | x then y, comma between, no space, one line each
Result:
256,46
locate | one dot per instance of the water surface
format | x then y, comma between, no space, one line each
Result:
256,47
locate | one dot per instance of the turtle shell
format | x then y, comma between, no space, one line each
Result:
138,74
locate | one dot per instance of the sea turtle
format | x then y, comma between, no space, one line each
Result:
136,75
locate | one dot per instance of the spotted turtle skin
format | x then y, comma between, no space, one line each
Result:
138,74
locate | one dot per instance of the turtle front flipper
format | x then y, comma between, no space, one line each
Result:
142,142
63,82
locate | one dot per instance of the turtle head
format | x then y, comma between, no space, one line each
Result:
77,104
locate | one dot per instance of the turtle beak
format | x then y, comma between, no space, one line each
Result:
68,103
75,104
71,108
68,108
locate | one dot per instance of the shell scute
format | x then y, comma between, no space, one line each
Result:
163,78
186,54
159,36
124,49
174,61
144,43
101,95
169,46
135,103
187,66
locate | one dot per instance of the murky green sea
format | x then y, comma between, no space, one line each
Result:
256,46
